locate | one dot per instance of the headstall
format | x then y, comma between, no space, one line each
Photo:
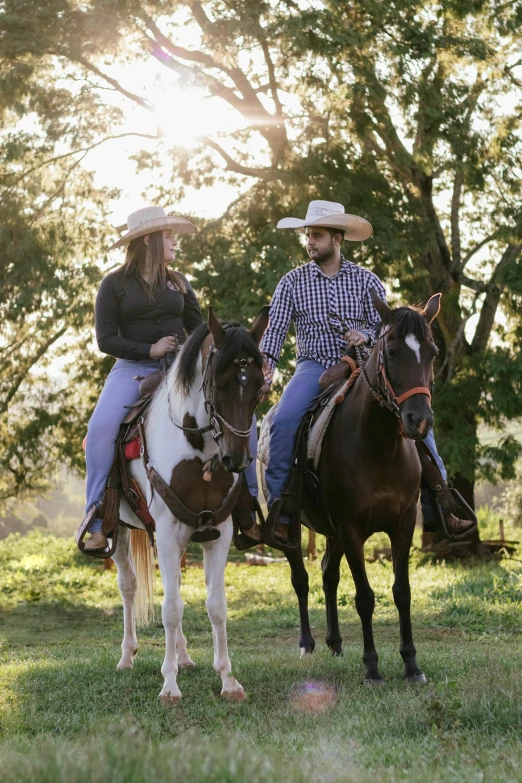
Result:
386,398
216,419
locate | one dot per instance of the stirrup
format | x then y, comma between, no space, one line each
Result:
242,540
294,531
205,530
462,506
83,529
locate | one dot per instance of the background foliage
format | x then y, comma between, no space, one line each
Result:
407,112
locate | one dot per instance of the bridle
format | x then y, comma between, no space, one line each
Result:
207,386
208,393
386,397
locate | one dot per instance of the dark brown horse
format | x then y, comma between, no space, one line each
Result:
370,478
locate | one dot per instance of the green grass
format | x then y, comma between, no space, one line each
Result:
66,714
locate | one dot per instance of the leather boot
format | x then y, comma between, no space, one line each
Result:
281,532
458,528
96,542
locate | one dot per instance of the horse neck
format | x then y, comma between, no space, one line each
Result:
170,405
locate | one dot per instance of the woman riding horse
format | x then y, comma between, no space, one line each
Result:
143,311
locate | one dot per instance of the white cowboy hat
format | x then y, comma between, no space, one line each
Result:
149,219
331,215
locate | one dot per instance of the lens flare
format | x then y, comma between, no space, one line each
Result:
313,698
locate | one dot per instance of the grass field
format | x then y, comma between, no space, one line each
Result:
66,714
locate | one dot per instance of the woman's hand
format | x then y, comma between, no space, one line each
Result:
163,346
264,391
354,338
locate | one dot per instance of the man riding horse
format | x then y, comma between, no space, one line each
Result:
308,295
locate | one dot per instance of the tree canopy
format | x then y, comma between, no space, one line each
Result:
409,113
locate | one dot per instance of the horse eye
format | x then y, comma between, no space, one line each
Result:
390,353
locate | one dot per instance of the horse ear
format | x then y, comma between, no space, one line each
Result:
432,309
216,328
260,323
381,307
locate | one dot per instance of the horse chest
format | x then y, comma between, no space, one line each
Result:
189,485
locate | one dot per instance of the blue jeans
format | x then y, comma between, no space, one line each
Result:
295,401
250,472
120,390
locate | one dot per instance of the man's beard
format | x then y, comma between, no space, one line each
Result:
326,255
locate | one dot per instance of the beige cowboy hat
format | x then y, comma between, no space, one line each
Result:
331,215
150,219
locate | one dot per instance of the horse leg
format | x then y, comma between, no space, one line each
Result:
183,658
364,603
215,555
127,584
300,585
400,543
171,540
331,573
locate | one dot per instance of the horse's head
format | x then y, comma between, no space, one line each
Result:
406,354
233,378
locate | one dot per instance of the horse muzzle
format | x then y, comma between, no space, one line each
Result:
417,419
236,463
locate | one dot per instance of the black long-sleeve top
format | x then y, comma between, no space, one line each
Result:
128,322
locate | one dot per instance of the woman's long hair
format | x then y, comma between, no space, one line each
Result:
135,261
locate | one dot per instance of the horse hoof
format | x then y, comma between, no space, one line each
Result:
417,679
237,695
374,681
125,663
169,700
186,665
336,650
306,651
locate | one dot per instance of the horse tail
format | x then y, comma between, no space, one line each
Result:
143,556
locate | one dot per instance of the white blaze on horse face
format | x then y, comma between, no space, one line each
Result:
412,342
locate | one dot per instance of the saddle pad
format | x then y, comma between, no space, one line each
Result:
318,430
263,446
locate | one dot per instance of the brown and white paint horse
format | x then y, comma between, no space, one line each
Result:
179,456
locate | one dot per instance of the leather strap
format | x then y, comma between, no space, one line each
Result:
173,502
434,479
416,390
133,494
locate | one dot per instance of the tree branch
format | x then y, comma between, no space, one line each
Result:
492,299
272,78
247,103
145,104
455,227
82,149
262,173
450,358
469,255
201,17
44,347
475,285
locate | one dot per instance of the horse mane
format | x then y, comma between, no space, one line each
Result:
236,339
409,320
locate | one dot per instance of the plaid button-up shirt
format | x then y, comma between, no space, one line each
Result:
306,296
